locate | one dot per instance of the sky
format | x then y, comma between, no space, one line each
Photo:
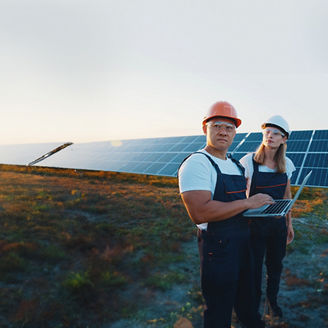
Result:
82,71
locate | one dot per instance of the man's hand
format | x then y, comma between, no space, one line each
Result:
259,200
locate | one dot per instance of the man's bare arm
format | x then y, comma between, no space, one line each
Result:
201,208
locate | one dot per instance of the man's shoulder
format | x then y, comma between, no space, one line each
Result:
195,161
195,173
197,157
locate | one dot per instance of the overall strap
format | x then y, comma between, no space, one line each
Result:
209,158
241,168
255,172
272,183
255,164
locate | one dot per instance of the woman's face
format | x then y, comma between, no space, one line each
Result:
273,137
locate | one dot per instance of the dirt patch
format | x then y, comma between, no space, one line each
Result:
303,292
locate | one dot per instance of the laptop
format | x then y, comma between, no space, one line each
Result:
280,207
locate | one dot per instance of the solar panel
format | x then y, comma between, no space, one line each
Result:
308,149
321,134
154,168
202,138
316,160
179,147
179,157
233,146
319,146
194,147
238,156
249,146
170,170
296,158
297,145
300,135
189,139
239,137
152,157
255,136
140,168
318,178
167,157
294,176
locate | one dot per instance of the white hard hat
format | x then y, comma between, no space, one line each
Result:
279,122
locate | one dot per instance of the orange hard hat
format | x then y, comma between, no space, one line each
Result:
223,109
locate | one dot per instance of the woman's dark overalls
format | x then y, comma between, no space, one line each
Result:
225,255
268,235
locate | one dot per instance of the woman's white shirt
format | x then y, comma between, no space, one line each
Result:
247,163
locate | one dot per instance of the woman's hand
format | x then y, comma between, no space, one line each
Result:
290,229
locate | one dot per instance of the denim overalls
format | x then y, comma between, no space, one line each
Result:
268,235
225,256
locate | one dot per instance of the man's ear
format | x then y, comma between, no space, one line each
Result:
205,128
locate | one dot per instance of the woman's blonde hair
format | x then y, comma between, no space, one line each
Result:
279,157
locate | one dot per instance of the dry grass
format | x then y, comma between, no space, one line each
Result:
311,200
73,243
83,248
292,280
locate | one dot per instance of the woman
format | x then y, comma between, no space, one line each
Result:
268,171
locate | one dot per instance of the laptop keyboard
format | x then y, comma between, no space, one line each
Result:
277,207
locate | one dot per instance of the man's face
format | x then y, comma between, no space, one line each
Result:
220,132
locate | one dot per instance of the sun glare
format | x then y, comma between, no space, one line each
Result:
116,143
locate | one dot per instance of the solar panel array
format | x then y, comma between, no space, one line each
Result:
162,156
307,149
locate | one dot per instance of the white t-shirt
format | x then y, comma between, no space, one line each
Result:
198,173
247,162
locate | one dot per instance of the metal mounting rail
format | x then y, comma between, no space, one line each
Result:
50,153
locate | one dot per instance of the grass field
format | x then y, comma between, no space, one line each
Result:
99,249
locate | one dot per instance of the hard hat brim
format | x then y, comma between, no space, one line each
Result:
234,119
264,125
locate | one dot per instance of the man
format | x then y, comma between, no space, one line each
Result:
212,188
